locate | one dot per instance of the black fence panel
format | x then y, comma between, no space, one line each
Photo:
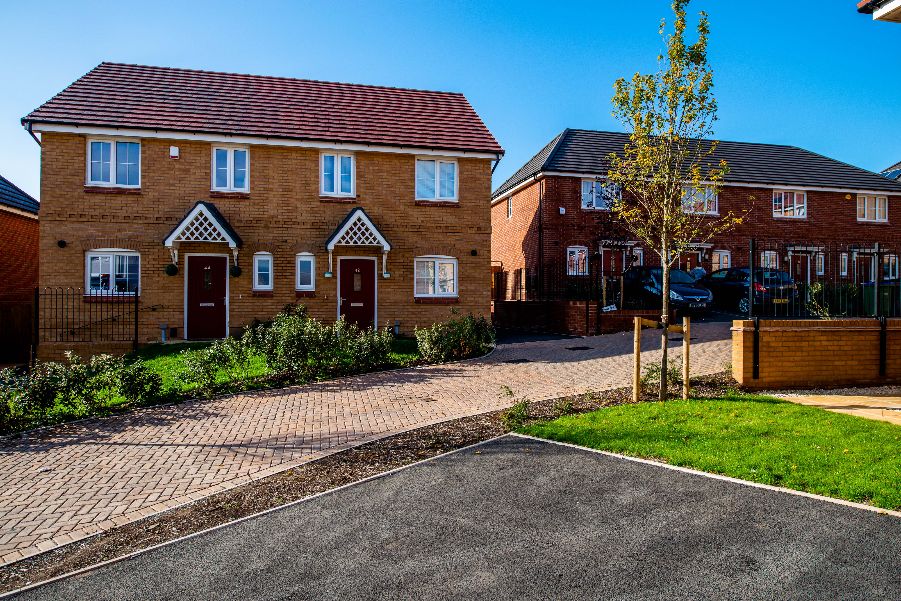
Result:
73,315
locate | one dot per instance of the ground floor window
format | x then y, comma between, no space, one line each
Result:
435,276
721,259
306,272
769,259
577,260
262,271
890,267
820,262
637,256
112,271
843,264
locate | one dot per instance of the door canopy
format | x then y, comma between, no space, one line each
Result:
357,229
203,223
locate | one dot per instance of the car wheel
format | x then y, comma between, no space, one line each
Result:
744,306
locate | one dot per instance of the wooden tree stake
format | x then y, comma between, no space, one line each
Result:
636,375
686,345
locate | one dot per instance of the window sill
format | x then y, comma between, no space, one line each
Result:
790,218
436,300
304,294
338,199
437,203
595,210
225,194
262,293
89,189
869,222
109,298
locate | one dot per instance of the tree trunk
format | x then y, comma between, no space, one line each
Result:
664,319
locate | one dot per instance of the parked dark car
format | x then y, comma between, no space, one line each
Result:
642,287
772,288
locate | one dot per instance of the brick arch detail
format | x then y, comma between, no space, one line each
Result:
136,244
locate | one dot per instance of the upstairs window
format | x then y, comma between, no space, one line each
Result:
577,260
262,271
337,175
789,204
436,179
112,271
599,195
700,201
872,208
306,272
435,276
114,163
231,167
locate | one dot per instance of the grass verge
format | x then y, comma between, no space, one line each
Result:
756,438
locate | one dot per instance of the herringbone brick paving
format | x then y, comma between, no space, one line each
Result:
66,483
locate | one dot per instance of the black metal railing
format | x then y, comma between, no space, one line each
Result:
75,315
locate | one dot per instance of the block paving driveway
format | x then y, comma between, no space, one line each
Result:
66,483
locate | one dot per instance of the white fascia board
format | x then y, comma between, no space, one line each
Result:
890,11
16,211
254,140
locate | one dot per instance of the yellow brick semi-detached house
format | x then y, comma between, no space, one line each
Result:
219,199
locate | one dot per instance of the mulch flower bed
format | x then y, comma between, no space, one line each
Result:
315,477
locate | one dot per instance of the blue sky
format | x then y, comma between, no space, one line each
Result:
811,74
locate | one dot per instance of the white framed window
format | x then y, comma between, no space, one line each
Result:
769,259
262,271
114,162
337,174
872,208
720,259
787,203
637,256
820,263
510,207
436,179
890,267
231,169
701,201
576,260
599,195
435,276
112,271
306,272
843,264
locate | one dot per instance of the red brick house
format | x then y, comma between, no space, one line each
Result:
18,244
551,225
220,198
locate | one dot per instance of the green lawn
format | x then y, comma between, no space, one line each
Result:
167,361
754,438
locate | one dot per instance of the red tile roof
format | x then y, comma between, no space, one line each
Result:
184,100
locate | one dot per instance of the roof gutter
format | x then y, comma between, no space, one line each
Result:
27,125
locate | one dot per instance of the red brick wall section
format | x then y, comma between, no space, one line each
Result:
832,218
18,256
283,214
815,353
514,239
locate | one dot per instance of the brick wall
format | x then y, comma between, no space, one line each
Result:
282,214
815,353
18,256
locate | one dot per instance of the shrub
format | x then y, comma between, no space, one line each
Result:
304,348
230,355
41,388
199,369
12,384
102,381
139,384
515,417
650,377
458,338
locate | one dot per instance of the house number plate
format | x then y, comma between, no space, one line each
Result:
207,304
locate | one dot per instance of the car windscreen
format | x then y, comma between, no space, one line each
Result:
676,276
777,277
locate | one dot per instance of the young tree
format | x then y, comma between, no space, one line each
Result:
667,170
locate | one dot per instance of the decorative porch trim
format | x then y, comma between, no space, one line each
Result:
357,229
203,223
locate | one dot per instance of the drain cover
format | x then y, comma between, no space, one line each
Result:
579,348
518,361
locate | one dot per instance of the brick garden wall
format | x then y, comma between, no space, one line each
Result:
815,353
282,214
